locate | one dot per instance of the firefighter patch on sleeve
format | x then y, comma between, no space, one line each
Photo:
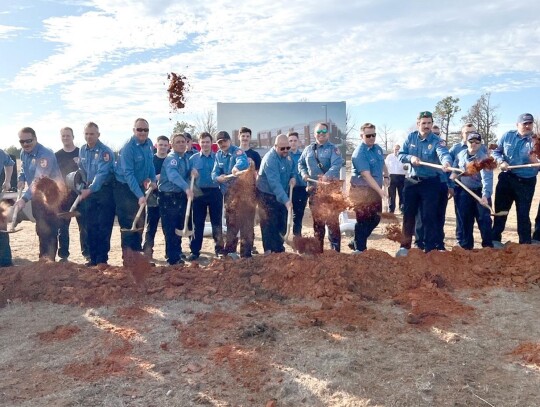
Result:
174,162
336,150
239,152
43,162
106,157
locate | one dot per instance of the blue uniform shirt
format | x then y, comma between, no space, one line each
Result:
329,156
482,180
5,160
40,162
135,164
204,165
515,149
296,157
275,174
98,165
365,158
225,162
175,173
431,149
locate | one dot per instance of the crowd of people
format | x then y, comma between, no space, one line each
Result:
181,185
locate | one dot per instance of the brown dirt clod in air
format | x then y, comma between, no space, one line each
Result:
49,192
474,167
177,89
393,232
307,245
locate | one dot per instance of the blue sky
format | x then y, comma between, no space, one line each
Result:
67,62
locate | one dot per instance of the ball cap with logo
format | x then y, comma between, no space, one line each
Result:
525,118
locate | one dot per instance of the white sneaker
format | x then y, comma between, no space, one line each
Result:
497,245
402,252
356,251
534,241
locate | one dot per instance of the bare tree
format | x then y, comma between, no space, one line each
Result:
181,127
445,110
536,127
350,143
483,115
207,122
385,135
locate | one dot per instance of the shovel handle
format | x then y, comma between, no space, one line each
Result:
141,208
531,165
75,204
462,185
439,166
230,176
289,215
15,212
188,209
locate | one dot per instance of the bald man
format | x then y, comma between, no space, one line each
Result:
276,176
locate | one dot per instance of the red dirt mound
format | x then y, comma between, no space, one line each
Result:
528,352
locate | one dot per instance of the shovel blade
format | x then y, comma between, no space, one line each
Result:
501,213
68,215
131,230
183,233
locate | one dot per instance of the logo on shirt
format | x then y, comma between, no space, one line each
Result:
429,146
239,152
43,163
106,157
96,156
174,162
336,150
442,143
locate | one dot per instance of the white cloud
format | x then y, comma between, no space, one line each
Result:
9,31
109,64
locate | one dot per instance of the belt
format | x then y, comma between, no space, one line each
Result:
417,178
173,194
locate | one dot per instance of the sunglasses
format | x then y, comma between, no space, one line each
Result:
425,114
140,130
26,141
527,123
285,148
474,141
370,135
322,131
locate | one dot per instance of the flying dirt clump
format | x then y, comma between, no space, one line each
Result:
474,167
49,192
177,89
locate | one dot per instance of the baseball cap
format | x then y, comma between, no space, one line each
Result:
223,135
525,118
187,135
425,114
473,135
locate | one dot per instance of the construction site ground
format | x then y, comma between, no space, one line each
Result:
455,328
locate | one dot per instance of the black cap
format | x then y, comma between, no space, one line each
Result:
223,135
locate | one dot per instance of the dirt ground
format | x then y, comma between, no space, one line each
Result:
455,328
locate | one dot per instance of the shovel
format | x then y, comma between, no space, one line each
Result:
289,216
72,212
230,176
186,232
317,181
439,166
11,227
134,227
532,165
492,213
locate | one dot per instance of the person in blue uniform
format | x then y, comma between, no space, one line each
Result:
134,173
276,175
174,191
515,147
209,201
422,188
469,209
322,161
97,207
152,208
7,165
367,193
300,195
39,162
230,160
536,233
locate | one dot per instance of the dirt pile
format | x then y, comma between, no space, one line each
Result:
335,280
177,89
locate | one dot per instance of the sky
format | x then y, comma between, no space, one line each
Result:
67,62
